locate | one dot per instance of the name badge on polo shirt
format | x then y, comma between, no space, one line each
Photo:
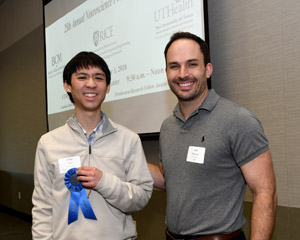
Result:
196,154
65,164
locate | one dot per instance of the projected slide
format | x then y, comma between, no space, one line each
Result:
129,34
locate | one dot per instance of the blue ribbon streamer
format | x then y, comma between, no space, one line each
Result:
78,198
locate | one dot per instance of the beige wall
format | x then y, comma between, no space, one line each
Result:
255,48
17,19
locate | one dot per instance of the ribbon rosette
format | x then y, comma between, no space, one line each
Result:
78,198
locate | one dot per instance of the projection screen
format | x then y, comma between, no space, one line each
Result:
130,35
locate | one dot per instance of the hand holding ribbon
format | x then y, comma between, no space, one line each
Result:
78,198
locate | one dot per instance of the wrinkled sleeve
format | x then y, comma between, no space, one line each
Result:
247,138
42,197
134,193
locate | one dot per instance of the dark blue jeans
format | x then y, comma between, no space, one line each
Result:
240,237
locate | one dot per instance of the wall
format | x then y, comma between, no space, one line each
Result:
22,99
255,53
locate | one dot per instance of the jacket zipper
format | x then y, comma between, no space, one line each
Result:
90,152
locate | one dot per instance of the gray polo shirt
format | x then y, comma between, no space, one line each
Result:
201,159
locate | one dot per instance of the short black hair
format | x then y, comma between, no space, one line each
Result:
84,60
187,35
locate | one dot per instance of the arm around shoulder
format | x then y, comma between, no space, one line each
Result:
157,175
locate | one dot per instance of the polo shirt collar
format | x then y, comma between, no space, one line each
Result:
208,104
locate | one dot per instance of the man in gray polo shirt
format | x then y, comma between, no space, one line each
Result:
210,149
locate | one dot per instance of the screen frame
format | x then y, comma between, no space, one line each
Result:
144,136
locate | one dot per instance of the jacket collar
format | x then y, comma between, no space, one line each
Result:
108,126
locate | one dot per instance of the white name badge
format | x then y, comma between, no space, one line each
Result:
66,164
196,154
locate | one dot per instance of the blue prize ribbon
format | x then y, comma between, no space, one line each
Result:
78,198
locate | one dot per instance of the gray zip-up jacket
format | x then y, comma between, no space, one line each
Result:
126,184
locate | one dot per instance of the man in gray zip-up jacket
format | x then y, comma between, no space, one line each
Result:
106,159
